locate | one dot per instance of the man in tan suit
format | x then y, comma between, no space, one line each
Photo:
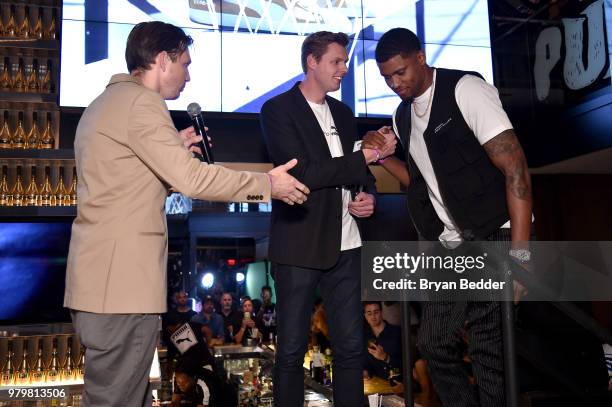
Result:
128,153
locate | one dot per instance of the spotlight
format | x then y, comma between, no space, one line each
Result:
239,277
208,280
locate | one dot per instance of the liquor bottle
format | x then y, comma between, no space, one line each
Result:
62,197
18,190
22,375
51,30
32,196
48,138
8,373
47,85
37,30
19,137
46,192
32,83
6,138
19,82
54,370
24,29
6,198
69,370
6,81
10,29
73,188
33,137
38,375
80,366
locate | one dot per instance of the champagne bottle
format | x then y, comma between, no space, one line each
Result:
19,136
6,138
24,29
8,373
6,198
33,138
48,138
73,188
69,370
18,190
22,375
62,198
38,372
32,83
51,32
19,83
47,82
80,366
54,371
6,82
10,30
31,193
46,192
37,30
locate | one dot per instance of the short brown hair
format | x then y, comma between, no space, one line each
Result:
148,39
316,44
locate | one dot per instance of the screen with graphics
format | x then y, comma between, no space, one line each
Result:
246,51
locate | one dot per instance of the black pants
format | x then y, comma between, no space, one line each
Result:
340,288
441,344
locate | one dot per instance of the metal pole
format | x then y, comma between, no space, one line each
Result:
510,371
408,356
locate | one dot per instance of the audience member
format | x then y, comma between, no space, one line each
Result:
212,323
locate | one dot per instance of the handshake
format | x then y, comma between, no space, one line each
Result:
378,145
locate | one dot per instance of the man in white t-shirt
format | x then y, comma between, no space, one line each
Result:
466,178
320,243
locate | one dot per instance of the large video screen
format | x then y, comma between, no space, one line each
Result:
33,272
246,51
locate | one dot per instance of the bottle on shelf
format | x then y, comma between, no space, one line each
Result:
46,192
6,197
32,196
19,137
24,29
80,366
8,372
69,369
37,30
10,29
18,190
62,197
73,188
33,137
51,32
32,83
6,80
38,372
22,375
6,138
19,82
54,370
47,85
47,140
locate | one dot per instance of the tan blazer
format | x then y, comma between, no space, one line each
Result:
127,151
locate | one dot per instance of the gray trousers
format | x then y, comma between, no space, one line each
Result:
118,357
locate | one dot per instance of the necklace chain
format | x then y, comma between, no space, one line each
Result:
433,88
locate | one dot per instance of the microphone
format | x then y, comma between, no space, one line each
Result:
195,113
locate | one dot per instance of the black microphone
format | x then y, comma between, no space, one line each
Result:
195,113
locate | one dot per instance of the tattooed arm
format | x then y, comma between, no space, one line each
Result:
507,155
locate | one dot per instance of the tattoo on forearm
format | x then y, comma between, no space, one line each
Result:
506,152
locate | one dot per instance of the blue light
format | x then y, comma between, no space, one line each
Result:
208,280
240,277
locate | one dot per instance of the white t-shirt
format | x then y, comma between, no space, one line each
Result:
350,232
482,110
